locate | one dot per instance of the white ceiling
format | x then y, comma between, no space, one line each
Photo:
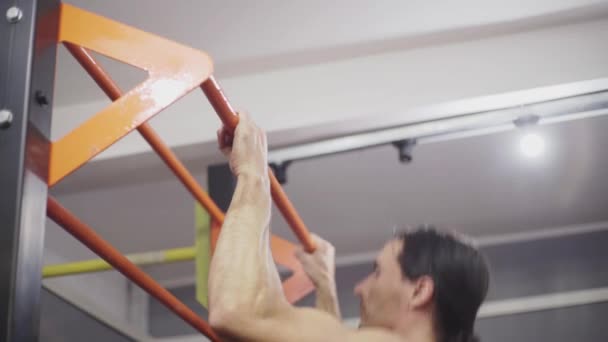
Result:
232,30
250,36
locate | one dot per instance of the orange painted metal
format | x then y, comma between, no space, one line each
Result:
215,234
224,110
290,214
220,103
111,89
88,62
174,71
181,172
89,238
298,284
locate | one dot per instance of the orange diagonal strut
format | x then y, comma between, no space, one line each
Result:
298,284
174,71
89,238
218,100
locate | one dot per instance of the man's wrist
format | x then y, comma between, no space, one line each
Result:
325,283
252,193
253,178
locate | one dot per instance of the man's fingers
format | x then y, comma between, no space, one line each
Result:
302,256
244,117
224,141
220,139
227,139
224,138
299,253
247,127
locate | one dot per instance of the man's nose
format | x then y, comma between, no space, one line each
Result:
359,288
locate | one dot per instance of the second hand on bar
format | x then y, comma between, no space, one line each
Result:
230,119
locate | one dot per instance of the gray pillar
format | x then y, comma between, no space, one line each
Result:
28,33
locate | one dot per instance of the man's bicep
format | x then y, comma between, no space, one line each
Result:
306,325
294,324
310,325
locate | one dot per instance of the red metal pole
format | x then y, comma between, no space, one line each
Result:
224,110
93,241
228,116
220,103
104,81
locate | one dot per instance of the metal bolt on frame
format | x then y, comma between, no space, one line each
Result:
14,14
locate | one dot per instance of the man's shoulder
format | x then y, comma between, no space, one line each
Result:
373,334
321,324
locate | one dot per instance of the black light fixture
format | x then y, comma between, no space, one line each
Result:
405,148
280,171
526,120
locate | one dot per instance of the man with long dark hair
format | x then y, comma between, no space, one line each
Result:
426,286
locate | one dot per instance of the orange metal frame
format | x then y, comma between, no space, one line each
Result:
174,70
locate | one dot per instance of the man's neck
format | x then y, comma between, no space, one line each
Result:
420,331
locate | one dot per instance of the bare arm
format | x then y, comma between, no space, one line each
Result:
246,302
303,325
327,299
243,277
320,268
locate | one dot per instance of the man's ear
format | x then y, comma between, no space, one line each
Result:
424,289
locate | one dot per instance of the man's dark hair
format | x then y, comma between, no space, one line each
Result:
460,276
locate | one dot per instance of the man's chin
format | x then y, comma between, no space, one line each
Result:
366,324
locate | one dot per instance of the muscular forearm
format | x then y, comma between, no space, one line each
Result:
243,276
327,298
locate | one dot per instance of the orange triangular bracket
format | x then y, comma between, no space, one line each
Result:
174,70
298,284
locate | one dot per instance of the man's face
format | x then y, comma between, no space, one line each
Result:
385,293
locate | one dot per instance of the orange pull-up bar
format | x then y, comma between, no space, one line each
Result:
103,80
230,119
222,107
173,73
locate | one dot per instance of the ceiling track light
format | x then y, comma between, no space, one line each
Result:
466,118
526,120
405,148
280,171
532,145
